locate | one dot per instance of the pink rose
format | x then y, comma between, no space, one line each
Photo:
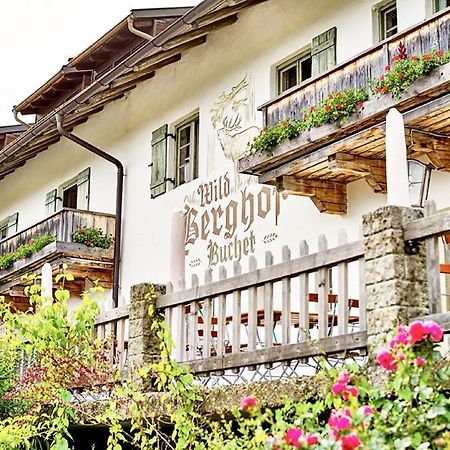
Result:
293,436
367,410
385,359
247,403
312,439
419,362
350,441
434,330
417,332
340,420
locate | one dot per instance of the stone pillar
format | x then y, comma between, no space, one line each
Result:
143,344
396,278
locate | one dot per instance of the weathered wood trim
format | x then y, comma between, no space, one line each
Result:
328,345
309,263
122,312
435,225
373,113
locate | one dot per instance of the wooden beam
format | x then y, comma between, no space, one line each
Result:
373,170
328,196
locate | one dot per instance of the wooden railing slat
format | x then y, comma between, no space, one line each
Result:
323,287
342,309
304,298
221,316
252,308
268,306
286,301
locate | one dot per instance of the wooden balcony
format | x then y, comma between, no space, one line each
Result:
88,265
319,163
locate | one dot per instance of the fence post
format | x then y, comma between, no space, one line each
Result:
143,344
396,278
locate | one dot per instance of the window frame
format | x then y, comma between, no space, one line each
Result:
296,61
381,10
193,122
437,7
4,227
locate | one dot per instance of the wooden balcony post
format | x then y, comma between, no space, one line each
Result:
396,275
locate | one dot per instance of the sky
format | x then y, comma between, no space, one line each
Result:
38,36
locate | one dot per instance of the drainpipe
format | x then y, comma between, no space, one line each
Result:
19,120
137,32
119,201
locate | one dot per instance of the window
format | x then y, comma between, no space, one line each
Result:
8,226
440,4
318,57
74,194
186,138
387,20
294,71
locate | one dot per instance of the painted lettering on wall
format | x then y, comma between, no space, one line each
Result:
225,219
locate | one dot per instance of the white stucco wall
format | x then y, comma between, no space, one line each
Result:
263,35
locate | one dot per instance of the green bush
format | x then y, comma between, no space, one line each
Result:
92,237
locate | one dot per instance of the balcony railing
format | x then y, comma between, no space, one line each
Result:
358,71
61,225
87,265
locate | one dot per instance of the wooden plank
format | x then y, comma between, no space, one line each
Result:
221,315
436,225
348,252
304,298
362,295
329,345
252,307
286,301
433,267
207,323
180,333
120,348
268,306
323,287
342,308
193,323
122,312
236,342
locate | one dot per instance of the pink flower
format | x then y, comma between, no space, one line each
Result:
434,330
385,359
312,439
350,441
247,403
340,420
350,391
401,356
401,338
417,332
419,362
337,388
344,377
293,436
367,410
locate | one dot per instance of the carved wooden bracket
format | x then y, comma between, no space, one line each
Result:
328,196
373,170
435,147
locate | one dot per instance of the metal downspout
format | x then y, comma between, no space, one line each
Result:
137,32
119,201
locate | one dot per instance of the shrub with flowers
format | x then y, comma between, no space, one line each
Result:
337,107
411,411
92,237
404,70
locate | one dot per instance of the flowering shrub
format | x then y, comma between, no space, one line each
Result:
403,71
337,107
25,250
92,237
411,412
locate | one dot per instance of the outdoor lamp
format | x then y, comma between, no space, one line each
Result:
419,177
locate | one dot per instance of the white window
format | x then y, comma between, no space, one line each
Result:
386,18
294,71
8,226
186,151
440,4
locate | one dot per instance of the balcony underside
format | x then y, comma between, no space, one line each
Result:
321,162
87,265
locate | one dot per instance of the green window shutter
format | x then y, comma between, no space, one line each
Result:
50,202
159,161
12,224
83,189
323,51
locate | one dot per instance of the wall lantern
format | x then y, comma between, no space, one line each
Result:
419,177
